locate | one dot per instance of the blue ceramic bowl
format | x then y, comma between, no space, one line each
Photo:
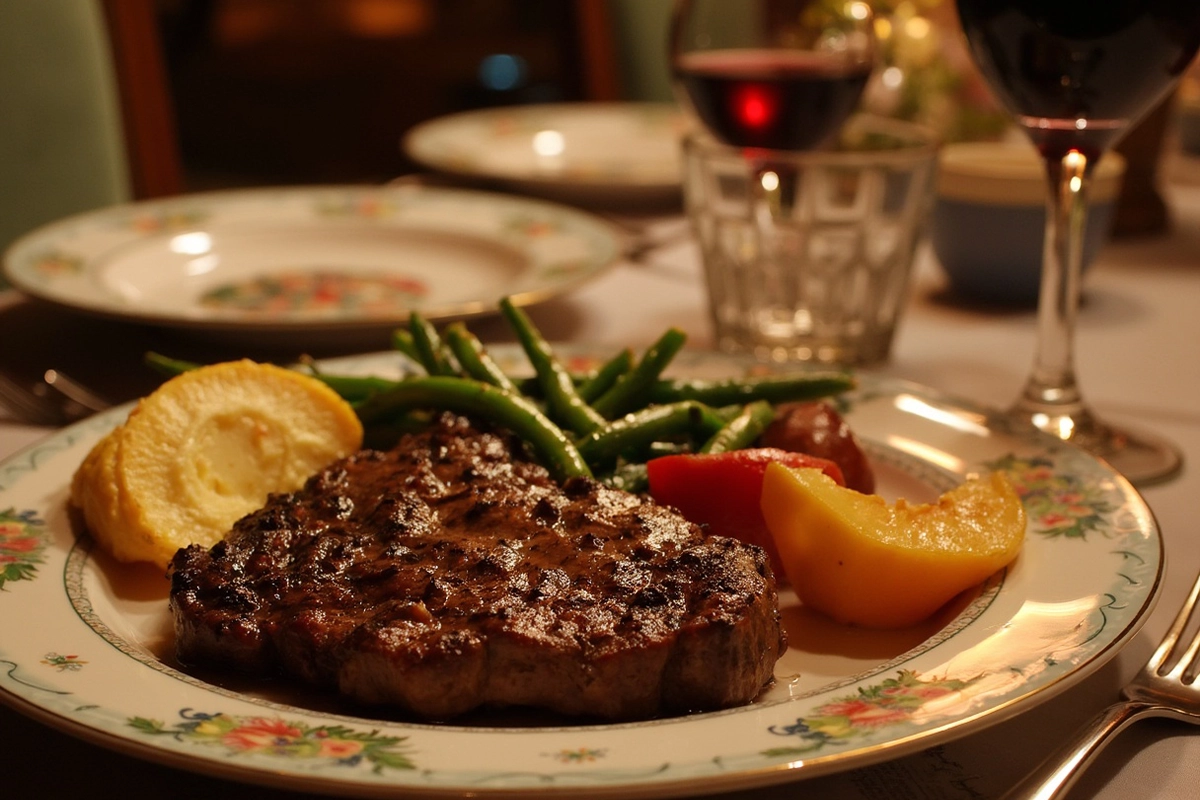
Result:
989,219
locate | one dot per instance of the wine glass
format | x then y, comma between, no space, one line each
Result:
1076,75
772,74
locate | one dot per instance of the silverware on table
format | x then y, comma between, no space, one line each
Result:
1165,687
55,400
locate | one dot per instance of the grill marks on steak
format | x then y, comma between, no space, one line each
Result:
450,574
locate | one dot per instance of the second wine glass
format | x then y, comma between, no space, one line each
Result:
1076,75
772,74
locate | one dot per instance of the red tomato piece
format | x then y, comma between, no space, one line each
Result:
722,491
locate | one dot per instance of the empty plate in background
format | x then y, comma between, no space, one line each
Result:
581,152
310,261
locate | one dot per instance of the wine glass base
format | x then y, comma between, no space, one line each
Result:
1142,458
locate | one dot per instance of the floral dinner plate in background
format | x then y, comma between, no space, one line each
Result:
310,261
587,152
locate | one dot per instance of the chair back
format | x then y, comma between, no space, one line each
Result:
85,117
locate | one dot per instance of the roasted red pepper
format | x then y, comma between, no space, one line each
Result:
722,491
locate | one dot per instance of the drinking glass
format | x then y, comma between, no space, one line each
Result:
1076,75
771,74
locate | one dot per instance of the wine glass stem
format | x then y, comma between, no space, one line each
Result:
1051,398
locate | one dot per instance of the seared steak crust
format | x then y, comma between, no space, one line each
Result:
450,574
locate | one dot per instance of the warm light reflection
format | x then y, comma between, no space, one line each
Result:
769,181
1041,614
549,143
926,452
191,244
1075,162
756,105
1039,635
1062,427
958,420
859,11
202,265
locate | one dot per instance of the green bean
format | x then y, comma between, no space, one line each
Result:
667,448
351,388
632,477
354,388
772,388
562,400
742,430
385,435
636,431
780,388
430,351
165,365
603,379
632,389
473,358
468,396
402,340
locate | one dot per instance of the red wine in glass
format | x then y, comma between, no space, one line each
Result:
774,99
1076,75
771,74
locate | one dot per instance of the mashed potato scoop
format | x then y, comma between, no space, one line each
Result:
205,449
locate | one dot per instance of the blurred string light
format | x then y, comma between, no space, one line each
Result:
502,72
925,74
918,28
859,11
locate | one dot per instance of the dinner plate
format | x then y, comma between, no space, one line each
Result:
580,151
311,261
86,642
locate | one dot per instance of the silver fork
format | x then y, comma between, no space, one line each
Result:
55,400
88,402
1164,687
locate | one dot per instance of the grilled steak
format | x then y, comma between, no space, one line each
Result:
451,573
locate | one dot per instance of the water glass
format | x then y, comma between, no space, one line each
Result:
807,254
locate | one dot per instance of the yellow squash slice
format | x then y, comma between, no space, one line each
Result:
94,491
205,449
865,562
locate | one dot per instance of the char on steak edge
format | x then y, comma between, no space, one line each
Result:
451,573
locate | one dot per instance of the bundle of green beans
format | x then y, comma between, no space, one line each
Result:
603,424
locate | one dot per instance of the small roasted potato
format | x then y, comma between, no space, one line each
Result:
816,428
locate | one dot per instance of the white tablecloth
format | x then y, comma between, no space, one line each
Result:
1137,362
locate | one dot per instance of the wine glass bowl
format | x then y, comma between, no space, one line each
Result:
1076,75
772,74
